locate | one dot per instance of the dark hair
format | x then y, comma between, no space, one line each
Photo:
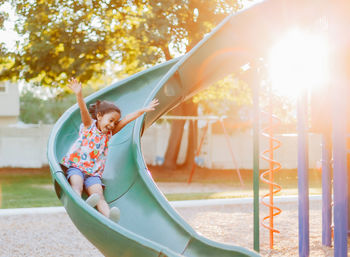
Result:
102,107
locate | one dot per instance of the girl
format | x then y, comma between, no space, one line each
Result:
87,156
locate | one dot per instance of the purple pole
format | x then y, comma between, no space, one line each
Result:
326,190
303,178
338,23
340,176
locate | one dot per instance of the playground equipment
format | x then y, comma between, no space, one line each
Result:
334,164
335,130
208,122
148,225
228,140
268,175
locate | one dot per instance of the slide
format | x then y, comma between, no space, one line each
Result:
149,226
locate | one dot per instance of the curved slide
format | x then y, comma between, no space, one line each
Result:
149,226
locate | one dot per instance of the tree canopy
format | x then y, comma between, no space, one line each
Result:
88,39
65,38
225,96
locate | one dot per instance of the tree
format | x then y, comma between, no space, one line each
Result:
34,109
4,55
225,97
37,109
65,38
3,15
175,27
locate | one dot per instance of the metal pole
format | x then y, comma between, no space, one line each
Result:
303,178
326,190
228,141
340,42
340,176
271,165
198,152
256,134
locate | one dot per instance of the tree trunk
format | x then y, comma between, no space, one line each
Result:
187,108
191,110
174,141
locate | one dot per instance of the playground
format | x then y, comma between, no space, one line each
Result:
43,234
47,233
131,208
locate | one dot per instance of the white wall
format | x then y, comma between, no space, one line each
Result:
9,103
26,147
215,152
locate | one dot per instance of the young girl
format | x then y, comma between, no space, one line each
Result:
86,158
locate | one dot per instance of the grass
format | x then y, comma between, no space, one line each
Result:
27,188
23,188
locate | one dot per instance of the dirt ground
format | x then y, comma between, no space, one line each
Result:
234,225
55,234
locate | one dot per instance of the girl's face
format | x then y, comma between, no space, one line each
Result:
107,121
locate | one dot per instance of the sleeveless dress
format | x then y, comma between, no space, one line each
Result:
89,151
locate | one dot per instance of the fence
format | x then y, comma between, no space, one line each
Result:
215,152
25,147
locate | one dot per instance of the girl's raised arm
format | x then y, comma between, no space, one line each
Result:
76,87
132,116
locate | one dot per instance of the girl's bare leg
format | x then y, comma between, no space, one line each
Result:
102,205
77,183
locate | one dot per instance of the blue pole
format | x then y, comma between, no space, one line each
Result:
303,178
326,190
339,23
340,176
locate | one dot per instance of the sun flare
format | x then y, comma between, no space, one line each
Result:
298,61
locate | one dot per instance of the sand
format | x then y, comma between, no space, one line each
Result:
55,235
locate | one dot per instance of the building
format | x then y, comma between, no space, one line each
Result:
9,103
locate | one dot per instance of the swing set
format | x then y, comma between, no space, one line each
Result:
209,121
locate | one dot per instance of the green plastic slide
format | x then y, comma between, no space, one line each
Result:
149,226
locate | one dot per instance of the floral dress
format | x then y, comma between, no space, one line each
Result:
89,151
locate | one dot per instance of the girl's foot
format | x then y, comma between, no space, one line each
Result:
92,200
114,214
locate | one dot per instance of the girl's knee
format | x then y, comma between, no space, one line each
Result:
95,189
100,194
77,188
77,183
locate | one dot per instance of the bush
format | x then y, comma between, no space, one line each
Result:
34,109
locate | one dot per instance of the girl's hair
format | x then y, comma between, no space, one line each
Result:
102,107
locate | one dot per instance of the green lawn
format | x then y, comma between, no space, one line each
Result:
33,187
27,189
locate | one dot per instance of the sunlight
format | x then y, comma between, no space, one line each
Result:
299,60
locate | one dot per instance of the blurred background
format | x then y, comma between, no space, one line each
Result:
44,43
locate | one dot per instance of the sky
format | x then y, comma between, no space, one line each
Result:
9,36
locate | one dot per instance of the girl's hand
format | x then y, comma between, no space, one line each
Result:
151,106
75,85
133,116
